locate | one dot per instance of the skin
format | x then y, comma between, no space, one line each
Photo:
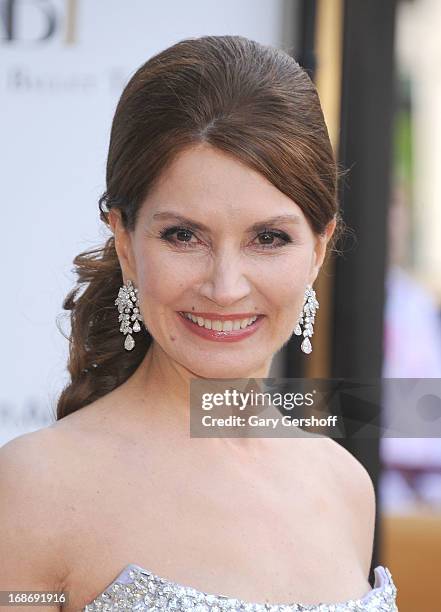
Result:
263,519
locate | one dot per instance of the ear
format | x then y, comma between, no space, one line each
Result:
123,245
321,242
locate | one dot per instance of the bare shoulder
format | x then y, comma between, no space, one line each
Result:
358,494
29,462
32,513
352,474
34,456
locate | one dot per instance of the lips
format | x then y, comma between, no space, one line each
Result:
222,335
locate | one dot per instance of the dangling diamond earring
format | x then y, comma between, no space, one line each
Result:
127,299
308,316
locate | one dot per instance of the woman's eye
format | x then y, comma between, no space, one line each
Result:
268,239
183,235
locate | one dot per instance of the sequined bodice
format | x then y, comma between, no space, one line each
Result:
137,589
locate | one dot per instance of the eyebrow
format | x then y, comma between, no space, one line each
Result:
170,215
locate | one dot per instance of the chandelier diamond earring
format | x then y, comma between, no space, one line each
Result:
127,301
306,318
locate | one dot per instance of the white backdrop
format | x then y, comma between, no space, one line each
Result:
63,65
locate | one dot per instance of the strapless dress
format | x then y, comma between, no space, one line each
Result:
138,589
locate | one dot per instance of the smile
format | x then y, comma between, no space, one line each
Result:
229,330
225,325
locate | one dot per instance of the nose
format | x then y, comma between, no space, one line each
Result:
225,282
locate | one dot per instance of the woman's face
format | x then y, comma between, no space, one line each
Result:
227,257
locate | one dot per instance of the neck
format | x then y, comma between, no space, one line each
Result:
163,386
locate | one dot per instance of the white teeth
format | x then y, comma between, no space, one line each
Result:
220,325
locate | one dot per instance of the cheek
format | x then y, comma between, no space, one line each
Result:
162,278
286,279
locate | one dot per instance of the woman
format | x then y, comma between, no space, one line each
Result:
221,199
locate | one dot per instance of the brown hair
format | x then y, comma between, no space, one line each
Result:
252,101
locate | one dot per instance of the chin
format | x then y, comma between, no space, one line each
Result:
226,369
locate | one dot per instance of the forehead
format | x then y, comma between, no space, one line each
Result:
204,181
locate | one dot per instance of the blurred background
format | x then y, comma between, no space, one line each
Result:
377,66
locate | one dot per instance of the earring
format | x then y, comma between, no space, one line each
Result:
307,315
126,301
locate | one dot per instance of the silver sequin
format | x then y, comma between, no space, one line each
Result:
147,592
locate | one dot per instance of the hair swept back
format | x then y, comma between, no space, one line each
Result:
252,101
